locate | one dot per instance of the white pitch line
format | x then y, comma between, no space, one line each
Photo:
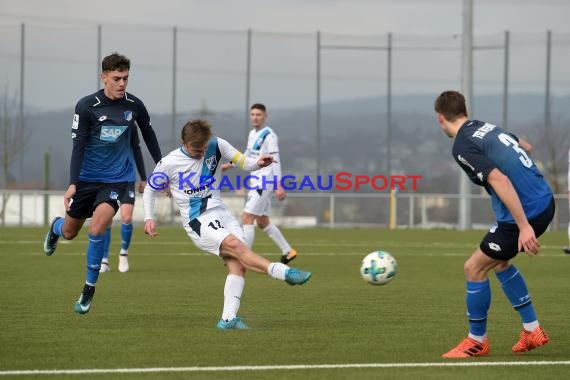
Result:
279,367
305,253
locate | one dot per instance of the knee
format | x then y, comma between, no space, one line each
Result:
232,245
98,228
473,272
68,233
263,223
466,269
246,219
127,213
238,271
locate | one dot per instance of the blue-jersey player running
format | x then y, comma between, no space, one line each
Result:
524,207
101,165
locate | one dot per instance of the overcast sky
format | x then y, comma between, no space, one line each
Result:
61,42
343,16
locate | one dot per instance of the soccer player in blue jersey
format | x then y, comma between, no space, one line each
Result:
523,205
101,165
127,209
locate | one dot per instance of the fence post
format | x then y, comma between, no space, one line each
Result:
411,212
331,211
46,188
393,210
423,211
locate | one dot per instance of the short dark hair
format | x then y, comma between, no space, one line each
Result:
258,106
196,133
451,104
115,61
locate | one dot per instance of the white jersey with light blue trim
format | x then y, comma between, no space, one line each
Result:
263,142
194,183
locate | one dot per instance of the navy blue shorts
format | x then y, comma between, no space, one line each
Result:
129,194
89,195
502,241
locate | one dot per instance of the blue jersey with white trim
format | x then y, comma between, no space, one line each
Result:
480,147
102,138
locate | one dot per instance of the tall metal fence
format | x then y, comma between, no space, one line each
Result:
311,77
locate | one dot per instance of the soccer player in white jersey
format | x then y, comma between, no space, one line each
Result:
266,181
567,249
193,172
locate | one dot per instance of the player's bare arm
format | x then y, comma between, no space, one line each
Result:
527,147
280,193
506,192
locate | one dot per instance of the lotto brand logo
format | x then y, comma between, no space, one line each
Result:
112,133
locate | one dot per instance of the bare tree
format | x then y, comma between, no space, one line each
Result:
555,141
13,137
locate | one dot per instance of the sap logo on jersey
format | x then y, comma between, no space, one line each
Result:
112,133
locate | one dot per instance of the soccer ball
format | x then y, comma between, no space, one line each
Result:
378,268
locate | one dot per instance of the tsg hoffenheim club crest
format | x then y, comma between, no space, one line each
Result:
211,162
128,115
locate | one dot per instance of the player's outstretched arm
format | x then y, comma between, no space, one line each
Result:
239,160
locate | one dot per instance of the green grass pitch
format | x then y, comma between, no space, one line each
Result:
164,311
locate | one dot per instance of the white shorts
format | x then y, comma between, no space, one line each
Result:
258,204
212,227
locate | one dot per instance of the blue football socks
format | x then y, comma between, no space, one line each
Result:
126,234
514,286
94,257
58,227
478,302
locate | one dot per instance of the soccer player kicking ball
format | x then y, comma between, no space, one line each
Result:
205,217
524,206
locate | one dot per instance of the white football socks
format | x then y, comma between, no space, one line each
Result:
232,296
275,234
277,271
249,234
